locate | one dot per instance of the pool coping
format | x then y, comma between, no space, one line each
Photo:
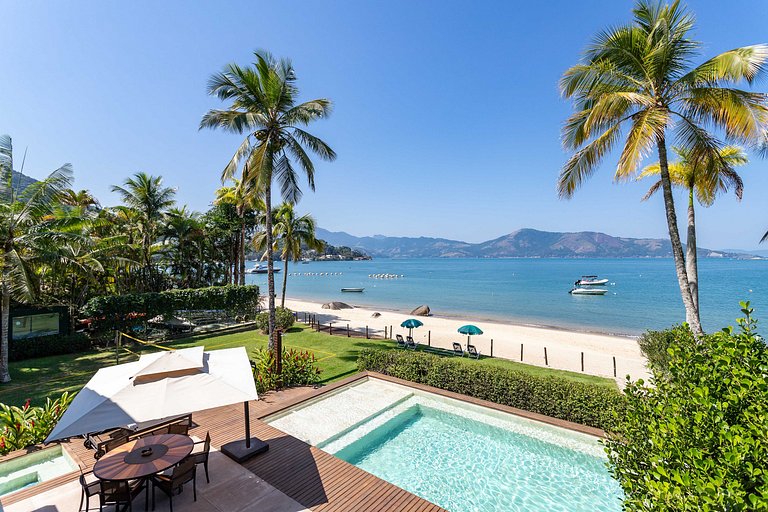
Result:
568,425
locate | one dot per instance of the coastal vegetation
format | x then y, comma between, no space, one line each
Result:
263,105
696,437
639,75
22,426
555,396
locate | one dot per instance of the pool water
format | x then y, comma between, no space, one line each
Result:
460,456
33,468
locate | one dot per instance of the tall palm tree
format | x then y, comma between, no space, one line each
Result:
25,223
147,196
263,106
703,179
638,75
290,233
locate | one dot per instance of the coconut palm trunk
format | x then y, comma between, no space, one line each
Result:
691,312
285,280
242,247
5,375
691,258
270,265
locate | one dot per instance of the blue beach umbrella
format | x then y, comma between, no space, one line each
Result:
411,324
470,330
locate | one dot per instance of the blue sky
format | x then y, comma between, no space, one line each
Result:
446,121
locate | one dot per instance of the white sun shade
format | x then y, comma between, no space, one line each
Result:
158,386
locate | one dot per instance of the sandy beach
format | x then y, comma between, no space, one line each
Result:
564,348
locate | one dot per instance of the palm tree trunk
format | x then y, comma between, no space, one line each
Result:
5,376
285,281
270,265
691,312
691,258
236,261
242,250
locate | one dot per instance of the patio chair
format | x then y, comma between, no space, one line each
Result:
201,457
458,350
182,473
121,492
400,341
109,445
89,489
473,352
409,343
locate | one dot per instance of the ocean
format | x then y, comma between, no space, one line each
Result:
642,293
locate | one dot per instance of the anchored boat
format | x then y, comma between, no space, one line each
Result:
590,281
588,291
356,290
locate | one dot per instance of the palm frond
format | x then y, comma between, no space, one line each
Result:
585,161
746,63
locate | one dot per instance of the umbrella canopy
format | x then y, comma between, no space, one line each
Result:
470,330
156,387
411,324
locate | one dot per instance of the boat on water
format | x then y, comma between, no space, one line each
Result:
355,290
260,269
590,281
588,291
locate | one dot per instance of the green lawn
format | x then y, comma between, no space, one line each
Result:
336,355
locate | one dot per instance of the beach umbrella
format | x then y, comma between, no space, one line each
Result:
411,324
470,330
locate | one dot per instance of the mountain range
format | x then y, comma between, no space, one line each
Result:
523,243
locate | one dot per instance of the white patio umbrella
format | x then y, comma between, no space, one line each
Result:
159,386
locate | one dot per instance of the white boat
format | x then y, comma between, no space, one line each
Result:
588,291
356,290
260,269
590,281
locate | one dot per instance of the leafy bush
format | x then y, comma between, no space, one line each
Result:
588,404
655,345
283,317
42,346
121,311
298,369
26,425
698,438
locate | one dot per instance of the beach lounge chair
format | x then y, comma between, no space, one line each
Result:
400,341
473,352
458,350
409,343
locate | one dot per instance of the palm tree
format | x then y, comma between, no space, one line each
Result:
147,196
638,75
185,232
245,204
703,179
290,233
25,223
83,200
263,106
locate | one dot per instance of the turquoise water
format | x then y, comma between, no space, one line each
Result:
534,291
465,465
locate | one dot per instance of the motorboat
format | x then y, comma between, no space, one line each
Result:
588,291
355,290
260,269
590,281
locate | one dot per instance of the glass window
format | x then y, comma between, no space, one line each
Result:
30,326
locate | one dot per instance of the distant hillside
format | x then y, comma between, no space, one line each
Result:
22,181
523,243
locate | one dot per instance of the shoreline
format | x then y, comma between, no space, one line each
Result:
552,347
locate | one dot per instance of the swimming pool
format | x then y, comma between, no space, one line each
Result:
33,468
461,456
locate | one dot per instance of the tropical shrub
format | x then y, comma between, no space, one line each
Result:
655,345
53,345
121,311
558,397
284,320
27,425
298,369
698,438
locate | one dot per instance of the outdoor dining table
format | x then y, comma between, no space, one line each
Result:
143,457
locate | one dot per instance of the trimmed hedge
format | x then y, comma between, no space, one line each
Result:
558,397
118,311
283,316
43,346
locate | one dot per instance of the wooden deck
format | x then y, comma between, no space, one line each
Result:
315,479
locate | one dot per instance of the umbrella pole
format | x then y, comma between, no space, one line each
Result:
242,450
